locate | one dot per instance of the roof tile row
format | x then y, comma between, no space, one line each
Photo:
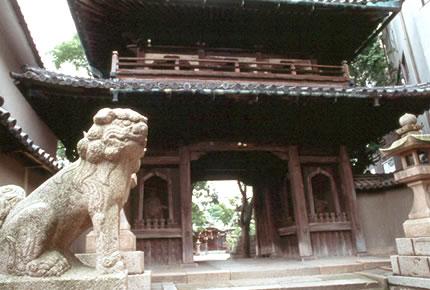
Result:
35,150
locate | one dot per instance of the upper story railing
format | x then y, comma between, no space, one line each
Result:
189,66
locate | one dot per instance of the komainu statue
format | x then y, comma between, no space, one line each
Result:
36,231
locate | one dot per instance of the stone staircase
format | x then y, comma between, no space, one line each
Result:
367,275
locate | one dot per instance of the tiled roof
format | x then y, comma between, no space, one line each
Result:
218,87
10,124
374,181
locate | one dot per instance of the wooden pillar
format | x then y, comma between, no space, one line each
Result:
186,205
141,191
351,199
267,236
299,203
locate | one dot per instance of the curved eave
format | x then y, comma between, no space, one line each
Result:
375,182
407,143
213,87
31,150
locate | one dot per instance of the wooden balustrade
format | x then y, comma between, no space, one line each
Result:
322,222
328,217
225,67
154,224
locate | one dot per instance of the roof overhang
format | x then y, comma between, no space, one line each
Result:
196,111
14,139
330,31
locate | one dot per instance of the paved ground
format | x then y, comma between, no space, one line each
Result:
266,264
271,273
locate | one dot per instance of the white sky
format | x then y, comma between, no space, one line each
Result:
50,23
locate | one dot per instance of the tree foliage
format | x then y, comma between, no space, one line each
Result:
371,67
70,51
222,213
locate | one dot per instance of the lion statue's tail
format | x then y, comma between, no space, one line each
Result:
10,195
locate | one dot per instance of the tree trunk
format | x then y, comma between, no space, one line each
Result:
245,221
246,243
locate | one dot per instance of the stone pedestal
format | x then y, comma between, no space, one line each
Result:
411,266
134,260
415,228
127,239
76,278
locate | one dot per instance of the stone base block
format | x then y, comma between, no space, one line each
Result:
406,283
127,241
140,281
416,228
415,266
413,246
76,278
134,260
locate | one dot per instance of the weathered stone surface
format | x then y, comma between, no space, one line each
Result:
208,277
36,234
127,239
422,246
411,282
140,281
10,195
416,228
417,266
405,247
134,260
79,277
395,264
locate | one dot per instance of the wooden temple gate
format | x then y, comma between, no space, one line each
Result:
305,209
273,74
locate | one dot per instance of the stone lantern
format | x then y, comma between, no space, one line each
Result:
413,259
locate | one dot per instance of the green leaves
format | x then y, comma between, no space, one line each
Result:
371,68
70,52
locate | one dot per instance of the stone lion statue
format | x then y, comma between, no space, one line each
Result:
36,231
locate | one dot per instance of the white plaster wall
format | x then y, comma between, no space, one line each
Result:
14,53
381,215
409,33
11,171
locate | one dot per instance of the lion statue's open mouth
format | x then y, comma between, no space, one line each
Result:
37,230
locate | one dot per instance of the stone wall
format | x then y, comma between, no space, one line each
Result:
382,214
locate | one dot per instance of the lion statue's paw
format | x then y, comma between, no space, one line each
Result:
113,263
49,264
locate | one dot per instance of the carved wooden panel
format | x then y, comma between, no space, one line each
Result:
336,243
289,246
161,251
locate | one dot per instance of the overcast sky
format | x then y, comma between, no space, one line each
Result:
50,23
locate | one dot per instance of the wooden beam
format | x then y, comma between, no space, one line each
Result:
351,199
158,233
317,227
160,160
232,146
186,205
330,227
299,202
287,231
318,159
140,200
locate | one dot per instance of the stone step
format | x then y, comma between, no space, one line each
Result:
314,282
163,286
269,271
